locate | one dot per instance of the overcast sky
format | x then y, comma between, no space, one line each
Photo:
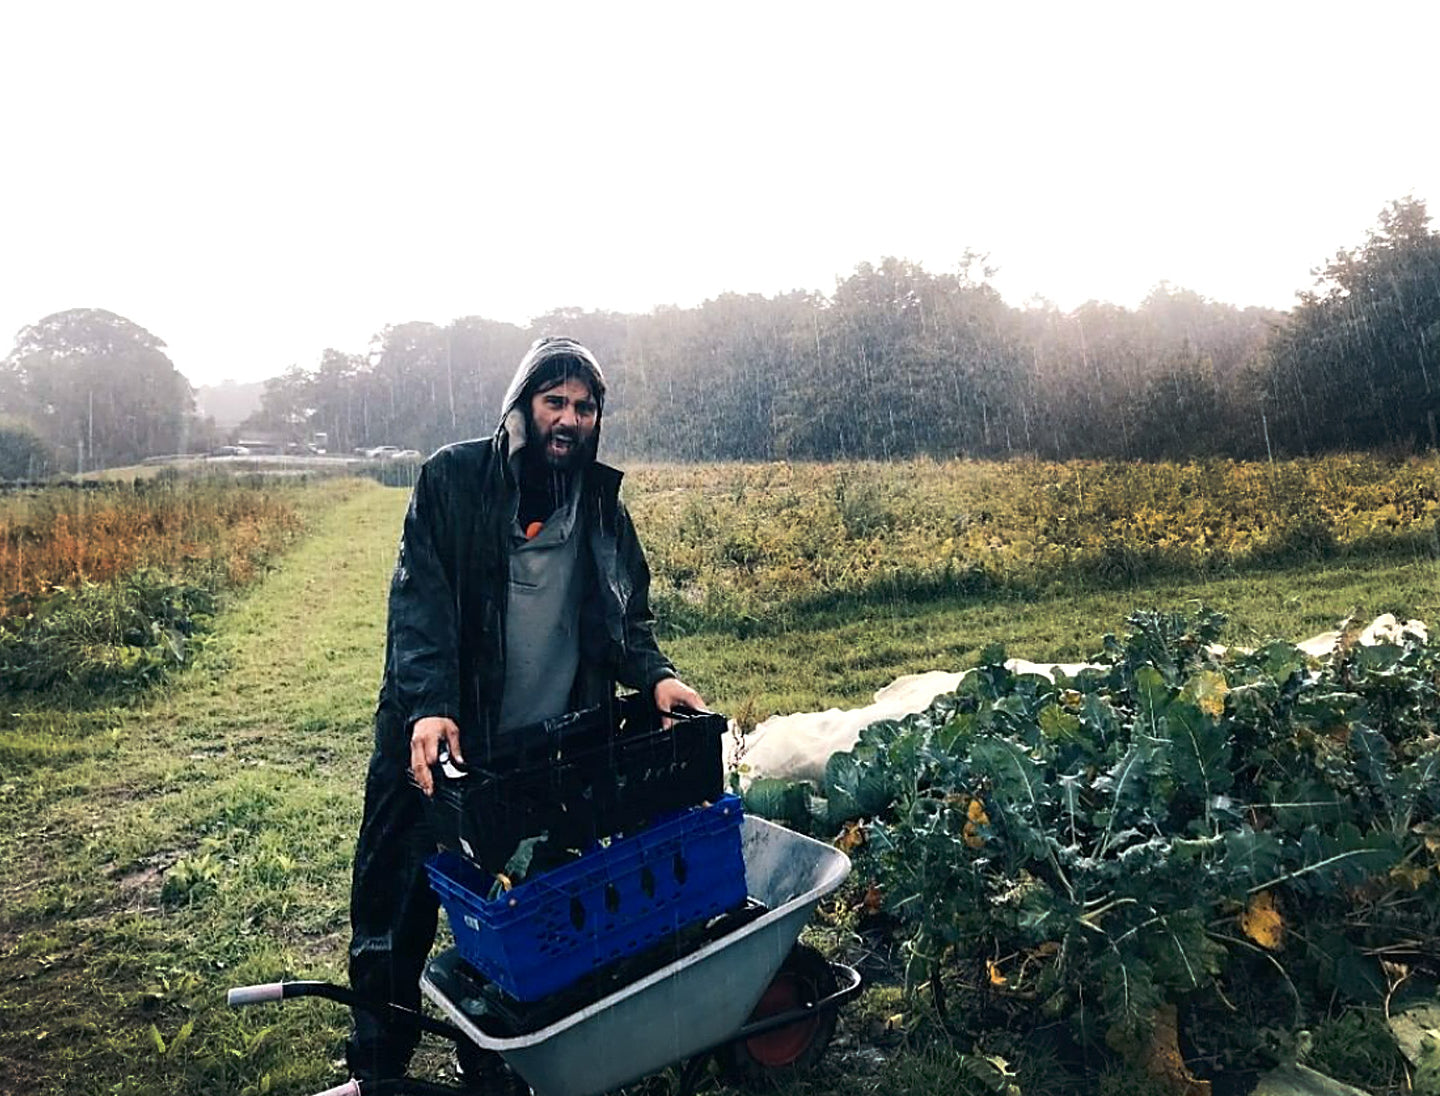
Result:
254,182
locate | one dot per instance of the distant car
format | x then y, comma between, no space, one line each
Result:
382,452
230,451
408,454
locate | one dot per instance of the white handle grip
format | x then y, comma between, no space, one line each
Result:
349,1088
250,995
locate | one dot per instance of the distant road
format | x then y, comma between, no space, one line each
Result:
264,460
271,463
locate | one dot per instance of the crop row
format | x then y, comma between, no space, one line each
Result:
728,542
109,589
57,538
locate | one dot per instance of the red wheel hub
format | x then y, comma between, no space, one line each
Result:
783,1045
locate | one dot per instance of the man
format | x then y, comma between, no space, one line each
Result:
520,593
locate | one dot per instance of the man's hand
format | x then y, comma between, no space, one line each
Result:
425,742
670,691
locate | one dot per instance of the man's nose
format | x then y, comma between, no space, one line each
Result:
568,416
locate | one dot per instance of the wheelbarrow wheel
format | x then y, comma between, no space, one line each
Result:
485,1072
776,1056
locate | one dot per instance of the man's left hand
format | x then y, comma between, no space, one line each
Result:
671,691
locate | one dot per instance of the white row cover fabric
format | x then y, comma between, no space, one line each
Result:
797,746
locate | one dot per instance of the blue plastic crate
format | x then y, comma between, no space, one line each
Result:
616,901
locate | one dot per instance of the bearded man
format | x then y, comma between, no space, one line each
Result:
520,593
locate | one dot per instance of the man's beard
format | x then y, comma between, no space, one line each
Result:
578,453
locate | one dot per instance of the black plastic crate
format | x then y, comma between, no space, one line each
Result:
579,778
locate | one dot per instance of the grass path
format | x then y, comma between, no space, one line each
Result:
237,792
156,854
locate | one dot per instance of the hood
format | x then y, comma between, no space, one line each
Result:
540,360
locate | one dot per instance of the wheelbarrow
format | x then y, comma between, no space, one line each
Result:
751,997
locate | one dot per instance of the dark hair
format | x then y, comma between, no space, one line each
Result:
558,369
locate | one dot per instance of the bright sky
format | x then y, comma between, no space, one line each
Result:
254,182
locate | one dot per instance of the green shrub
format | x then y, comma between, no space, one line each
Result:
1171,826
105,636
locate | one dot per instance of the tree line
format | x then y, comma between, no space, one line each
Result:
86,389
896,362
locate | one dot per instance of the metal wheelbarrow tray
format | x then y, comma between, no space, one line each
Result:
690,1006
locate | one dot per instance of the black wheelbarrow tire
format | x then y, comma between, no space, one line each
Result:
777,1056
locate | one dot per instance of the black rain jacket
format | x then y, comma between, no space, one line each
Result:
445,638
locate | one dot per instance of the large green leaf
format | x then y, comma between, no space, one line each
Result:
1373,758
1018,779
1305,803
1058,725
1152,697
1343,858
781,801
1417,789
1200,750
854,789
1250,858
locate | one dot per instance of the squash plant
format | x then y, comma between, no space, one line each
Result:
1164,828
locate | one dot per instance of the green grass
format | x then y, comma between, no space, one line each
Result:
243,785
200,837
840,658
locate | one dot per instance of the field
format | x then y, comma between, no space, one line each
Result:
163,844
110,586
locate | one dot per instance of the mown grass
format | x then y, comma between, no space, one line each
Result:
159,852
200,837
841,657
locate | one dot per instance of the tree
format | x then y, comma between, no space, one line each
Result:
99,386
1357,363
285,406
23,453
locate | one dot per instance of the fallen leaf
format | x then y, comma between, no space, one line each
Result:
1412,878
1262,922
1208,690
851,837
1164,1061
975,818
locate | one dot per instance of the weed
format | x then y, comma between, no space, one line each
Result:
1357,1047
191,879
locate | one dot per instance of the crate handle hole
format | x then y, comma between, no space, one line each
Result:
577,913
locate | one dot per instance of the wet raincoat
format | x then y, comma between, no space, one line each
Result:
445,656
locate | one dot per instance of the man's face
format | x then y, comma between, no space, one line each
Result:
563,422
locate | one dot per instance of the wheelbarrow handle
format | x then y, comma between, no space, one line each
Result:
399,1086
284,991
254,995
349,1088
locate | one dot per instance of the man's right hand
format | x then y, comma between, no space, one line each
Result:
425,741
